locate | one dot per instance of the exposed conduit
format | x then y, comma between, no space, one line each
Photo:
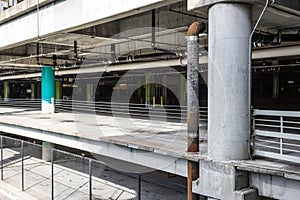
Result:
249,71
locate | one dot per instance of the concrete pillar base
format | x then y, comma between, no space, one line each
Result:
220,180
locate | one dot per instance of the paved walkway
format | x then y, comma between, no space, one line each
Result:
72,180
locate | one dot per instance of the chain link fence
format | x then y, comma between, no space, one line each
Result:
62,175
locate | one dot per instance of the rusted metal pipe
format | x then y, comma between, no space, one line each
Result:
193,102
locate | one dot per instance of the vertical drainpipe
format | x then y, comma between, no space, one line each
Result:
192,109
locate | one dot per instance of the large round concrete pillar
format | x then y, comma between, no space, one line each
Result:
228,122
48,89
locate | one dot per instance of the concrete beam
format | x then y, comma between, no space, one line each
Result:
133,155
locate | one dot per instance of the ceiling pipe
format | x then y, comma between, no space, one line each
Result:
259,40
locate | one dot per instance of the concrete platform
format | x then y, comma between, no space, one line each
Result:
151,143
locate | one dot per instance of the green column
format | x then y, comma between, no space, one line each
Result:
182,89
33,90
6,90
58,89
89,92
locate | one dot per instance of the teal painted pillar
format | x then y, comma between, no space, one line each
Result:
58,89
6,90
48,89
33,90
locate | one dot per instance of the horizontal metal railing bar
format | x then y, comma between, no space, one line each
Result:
291,150
266,146
277,135
277,156
267,141
290,127
276,113
267,120
290,144
267,125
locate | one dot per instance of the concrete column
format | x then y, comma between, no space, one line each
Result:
140,84
38,90
46,151
147,89
48,89
58,89
276,86
6,90
182,89
228,130
33,91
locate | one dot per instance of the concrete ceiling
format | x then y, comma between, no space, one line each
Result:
117,37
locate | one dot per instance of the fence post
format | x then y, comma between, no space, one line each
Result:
52,175
139,187
1,144
22,159
90,179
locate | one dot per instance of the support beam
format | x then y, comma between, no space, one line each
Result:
48,89
228,114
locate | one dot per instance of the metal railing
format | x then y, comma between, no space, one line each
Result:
71,176
175,113
169,112
276,134
27,104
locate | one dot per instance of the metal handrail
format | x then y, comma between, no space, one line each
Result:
276,137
